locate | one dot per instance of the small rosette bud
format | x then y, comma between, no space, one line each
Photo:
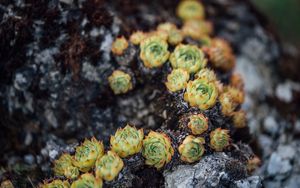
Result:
127,141
6,184
237,95
197,29
174,34
190,9
220,55
188,57
87,181
120,82
64,167
154,51
177,80
219,139
119,46
191,149
206,74
239,119
56,184
108,166
87,153
157,149
137,37
198,124
227,103
201,93
237,81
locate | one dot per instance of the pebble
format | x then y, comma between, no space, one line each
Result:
270,125
278,166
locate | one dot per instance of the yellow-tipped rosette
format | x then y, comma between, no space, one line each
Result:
157,149
198,124
197,29
237,81
201,93
56,184
219,139
108,166
239,119
127,141
120,82
191,149
119,46
206,74
167,26
177,80
87,180
190,9
63,167
137,37
220,55
154,51
188,57
237,95
87,153
227,103
175,36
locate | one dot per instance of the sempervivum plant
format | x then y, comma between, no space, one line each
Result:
175,35
127,141
191,149
119,46
190,9
157,149
197,29
108,166
219,139
239,119
201,93
56,184
198,124
87,153
64,167
188,57
177,80
220,55
120,82
87,180
154,51
137,37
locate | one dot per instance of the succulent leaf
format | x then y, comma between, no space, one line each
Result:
108,166
191,149
219,139
56,184
120,82
127,141
154,51
198,124
157,149
87,153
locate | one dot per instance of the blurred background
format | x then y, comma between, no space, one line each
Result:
285,16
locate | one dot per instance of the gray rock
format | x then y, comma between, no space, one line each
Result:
286,152
212,171
250,182
278,166
293,182
270,125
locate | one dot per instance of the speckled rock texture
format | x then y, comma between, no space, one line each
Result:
54,62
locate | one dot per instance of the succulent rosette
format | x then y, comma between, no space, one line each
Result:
201,93
197,29
239,119
206,74
175,36
63,167
177,80
119,46
198,124
220,55
56,184
87,180
137,37
191,149
188,57
108,166
87,153
227,103
237,95
219,139
154,51
157,149
120,82
190,9
127,141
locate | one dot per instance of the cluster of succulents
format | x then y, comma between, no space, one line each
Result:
191,74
